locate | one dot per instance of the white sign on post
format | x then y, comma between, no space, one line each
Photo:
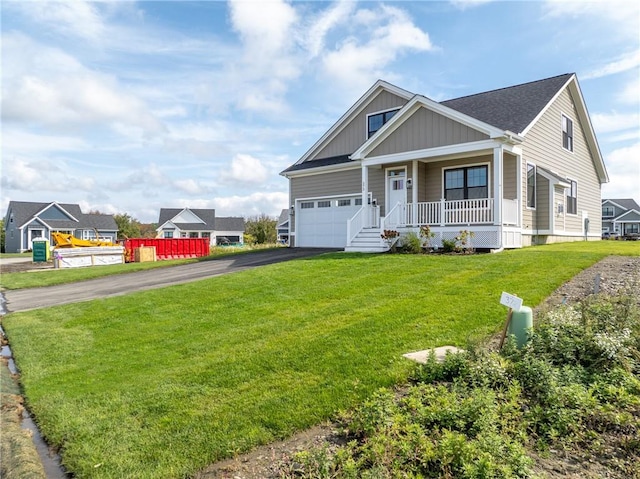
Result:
511,301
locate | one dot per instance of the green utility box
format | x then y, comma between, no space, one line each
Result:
41,251
521,323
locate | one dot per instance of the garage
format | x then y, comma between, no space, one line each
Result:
322,222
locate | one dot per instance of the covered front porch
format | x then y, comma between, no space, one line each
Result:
479,192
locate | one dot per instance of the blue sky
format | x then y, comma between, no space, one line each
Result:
128,107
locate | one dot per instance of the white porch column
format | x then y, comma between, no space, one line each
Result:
497,185
519,188
365,185
414,192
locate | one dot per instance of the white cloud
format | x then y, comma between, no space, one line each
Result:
26,175
335,15
246,169
46,86
613,122
621,64
465,4
17,140
269,203
624,173
630,94
389,33
194,187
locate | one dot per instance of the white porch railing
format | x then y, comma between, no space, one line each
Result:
443,213
368,216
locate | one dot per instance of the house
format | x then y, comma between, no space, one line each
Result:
282,227
200,223
515,166
26,220
621,216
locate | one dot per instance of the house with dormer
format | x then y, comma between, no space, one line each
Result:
25,221
200,223
515,166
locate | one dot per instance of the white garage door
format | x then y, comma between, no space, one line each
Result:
322,222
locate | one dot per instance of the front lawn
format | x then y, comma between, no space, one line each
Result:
161,383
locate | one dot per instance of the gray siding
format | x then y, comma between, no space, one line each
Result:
432,185
543,146
427,129
354,134
54,213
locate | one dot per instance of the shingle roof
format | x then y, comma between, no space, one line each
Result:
24,211
230,223
512,108
626,203
333,160
206,215
284,217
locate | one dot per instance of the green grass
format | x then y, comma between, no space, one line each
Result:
162,383
52,277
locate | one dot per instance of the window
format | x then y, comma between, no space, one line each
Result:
193,234
306,205
183,234
567,133
206,234
324,204
531,186
572,198
358,202
375,122
168,234
607,211
344,202
466,183
632,228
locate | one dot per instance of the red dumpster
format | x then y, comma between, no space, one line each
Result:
169,248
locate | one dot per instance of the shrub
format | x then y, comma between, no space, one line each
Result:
411,243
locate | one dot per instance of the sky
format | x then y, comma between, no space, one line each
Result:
129,107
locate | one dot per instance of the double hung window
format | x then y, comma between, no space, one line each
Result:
466,183
572,198
567,133
531,185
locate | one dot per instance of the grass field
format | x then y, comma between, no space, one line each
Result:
161,383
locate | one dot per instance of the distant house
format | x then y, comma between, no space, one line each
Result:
200,223
621,216
514,166
25,221
282,227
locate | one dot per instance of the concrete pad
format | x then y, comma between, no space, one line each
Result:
440,352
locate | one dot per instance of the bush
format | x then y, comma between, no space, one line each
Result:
410,243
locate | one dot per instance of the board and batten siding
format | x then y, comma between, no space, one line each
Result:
354,134
542,146
426,129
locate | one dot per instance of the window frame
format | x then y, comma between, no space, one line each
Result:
385,119
466,187
568,135
613,212
571,206
535,185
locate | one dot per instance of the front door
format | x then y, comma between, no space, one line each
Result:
396,188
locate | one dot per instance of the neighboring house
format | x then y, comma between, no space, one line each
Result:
200,223
515,166
621,216
27,220
282,227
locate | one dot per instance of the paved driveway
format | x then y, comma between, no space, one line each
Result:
28,299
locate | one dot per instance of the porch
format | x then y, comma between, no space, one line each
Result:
445,218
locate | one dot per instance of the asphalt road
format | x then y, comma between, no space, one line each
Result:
116,285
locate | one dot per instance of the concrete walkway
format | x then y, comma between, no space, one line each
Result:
28,299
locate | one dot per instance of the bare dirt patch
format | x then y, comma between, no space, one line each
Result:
610,276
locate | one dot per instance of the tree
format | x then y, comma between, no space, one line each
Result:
128,227
262,228
148,230
2,250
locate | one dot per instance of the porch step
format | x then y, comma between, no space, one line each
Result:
367,241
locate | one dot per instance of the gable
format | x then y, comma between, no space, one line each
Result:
425,129
56,212
354,132
186,216
629,216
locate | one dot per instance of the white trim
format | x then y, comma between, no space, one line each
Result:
573,144
632,210
535,187
366,122
409,109
454,151
375,90
323,169
36,215
566,195
547,106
